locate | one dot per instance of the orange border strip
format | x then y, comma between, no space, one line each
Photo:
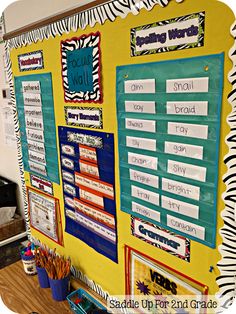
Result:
92,190
91,149
91,165
94,218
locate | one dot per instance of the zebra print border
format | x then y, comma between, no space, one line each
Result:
99,14
17,132
85,41
199,43
227,264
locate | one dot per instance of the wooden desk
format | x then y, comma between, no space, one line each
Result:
21,293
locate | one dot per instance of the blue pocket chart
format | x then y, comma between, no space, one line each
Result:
87,166
35,107
169,127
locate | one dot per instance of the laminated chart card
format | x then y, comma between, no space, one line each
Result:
35,107
169,124
87,166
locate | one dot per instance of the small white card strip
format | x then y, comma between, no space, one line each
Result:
188,85
141,143
185,150
31,87
142,161
94,184
146,212
88,153
95,213
186,227
34,123
35,135
140,106
70,189
36,146
37,157
144,178
180,188
91,198
68,150
191,108
188,130
69,201
140,86
104,232
140,125
32,99
41,169
182,208
145,195
35,112
186,170
67,176
68,163
90,169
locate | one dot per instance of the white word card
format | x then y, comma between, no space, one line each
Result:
140,86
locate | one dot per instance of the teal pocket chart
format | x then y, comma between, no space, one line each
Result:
35,107
169,130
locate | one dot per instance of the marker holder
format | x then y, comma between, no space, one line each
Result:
29,264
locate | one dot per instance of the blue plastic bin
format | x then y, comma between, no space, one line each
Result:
87,302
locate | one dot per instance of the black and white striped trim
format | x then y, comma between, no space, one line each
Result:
17,132
99,14
85,41
227,265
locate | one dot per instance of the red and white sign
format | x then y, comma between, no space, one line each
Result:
31,61
41,184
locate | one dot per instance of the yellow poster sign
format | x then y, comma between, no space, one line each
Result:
159,290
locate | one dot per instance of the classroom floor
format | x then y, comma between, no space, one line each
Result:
21,293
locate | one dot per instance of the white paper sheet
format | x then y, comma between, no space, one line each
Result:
185,150
188,85
145,195
142,161
186,227
144,178
187,108
180,207
180,188
140,125
187,171
188,130
140,106
141,143
146,86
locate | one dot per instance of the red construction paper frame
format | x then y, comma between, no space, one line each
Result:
58,223
128,250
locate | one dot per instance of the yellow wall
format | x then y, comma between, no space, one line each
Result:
115,51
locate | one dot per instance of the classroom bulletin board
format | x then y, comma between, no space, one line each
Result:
133,139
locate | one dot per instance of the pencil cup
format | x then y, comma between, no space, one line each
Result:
42,277
29,264
59,288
